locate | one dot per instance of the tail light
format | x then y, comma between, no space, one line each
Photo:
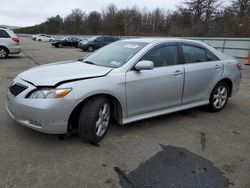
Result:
239,66
15,40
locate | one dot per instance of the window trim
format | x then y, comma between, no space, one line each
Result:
197,46
132,68
7,34
217,59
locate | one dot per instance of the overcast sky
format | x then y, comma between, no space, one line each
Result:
31,12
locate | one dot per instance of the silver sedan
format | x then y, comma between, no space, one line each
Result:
128,80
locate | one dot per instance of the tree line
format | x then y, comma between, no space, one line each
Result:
192,18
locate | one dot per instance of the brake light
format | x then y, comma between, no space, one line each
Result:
239,66
15,39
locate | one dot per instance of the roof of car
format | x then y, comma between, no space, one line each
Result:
160,39
4,28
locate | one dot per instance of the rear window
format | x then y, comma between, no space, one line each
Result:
4,34
100,39
211,56
194,54
110,39
12,33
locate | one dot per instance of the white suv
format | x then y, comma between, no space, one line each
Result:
9,43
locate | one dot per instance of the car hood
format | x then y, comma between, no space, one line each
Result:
56,73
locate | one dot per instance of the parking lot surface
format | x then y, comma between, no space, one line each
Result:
218,141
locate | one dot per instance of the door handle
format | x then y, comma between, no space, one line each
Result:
178,73
217,67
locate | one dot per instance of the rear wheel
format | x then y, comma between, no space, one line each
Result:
94,119
39,40
3,53
219,97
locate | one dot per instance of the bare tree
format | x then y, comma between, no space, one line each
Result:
94,23
192,18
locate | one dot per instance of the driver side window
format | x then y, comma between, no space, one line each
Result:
163,56
100,39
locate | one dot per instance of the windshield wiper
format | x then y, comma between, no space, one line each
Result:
89,62
81,59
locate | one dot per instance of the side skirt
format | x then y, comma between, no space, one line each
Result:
163,112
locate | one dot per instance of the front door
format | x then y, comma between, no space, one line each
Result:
157,89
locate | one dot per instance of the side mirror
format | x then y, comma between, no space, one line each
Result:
144,65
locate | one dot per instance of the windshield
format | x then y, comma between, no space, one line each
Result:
92,38
116,54
64,38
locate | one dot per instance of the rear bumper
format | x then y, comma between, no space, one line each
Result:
15,49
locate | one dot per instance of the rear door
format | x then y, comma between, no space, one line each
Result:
68,41
157,89
75,41
202,71
108,40
100,42
4,38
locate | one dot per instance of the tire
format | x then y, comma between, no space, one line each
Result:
90,48
39,40
60,45
219,97
3,53
94,119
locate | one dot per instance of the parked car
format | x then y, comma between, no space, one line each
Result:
38,35
45,38
67,41
96,42
128,80
9,43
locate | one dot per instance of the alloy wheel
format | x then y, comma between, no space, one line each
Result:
3,53
103,119
220,97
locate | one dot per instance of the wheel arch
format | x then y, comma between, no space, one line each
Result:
8,51
90,45
229,83
116,105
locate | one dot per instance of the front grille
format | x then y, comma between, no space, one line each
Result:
16,89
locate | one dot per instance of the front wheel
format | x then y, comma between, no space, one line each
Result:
90,48
94,119
219,97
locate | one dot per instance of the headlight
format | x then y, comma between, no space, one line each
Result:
49,93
